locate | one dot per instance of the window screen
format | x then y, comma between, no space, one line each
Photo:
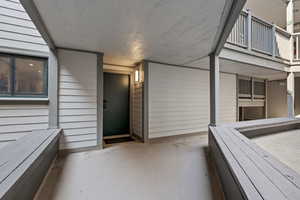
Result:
259,88
244,86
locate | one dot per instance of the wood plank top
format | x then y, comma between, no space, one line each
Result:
258,174
17,156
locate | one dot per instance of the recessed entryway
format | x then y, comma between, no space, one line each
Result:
122,104
116,106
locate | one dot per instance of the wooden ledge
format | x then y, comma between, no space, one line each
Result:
246,170
24,163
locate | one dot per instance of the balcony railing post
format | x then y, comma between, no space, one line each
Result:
249,30
290,26
292,48
297,47
273,40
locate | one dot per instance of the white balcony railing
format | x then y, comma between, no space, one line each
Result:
296,39
257,35
238,35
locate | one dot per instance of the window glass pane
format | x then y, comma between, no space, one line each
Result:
29,76
244,86
5,73
259,88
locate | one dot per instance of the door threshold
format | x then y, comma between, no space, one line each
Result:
116,136
117,140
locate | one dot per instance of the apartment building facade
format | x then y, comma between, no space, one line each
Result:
76,74
167,90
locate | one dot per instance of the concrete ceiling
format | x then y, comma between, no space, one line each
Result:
171,31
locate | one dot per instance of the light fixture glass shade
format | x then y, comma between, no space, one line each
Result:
137,76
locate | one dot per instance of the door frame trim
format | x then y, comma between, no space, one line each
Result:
145,64
100,88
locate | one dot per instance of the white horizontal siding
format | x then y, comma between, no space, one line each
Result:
12,5
11,28
19,120
18,34
138,110
23,112
79,144
17,31
76,111
78,99
80,131
22,37
79,105
16,21
14,13
179,100
228,100
80,137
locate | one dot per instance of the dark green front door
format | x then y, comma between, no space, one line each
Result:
116,104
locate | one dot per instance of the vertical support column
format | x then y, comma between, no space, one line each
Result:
237,98
146,102
290,25
290,16
214,89
249,30
53,76
274,46
100,100
291,94
297,47
266,99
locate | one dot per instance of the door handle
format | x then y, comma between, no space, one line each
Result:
104,104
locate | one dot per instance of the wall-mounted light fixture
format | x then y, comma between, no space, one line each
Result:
137,76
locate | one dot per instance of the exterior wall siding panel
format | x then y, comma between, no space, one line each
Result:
228,100
19,120
179,100
18,34
78,99
17,31
138,110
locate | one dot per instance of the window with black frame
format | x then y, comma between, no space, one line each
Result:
259,89
251,88
23,76
245,88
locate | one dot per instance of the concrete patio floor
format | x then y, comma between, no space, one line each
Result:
285,146
166,169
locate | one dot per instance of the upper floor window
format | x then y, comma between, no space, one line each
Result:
23,76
